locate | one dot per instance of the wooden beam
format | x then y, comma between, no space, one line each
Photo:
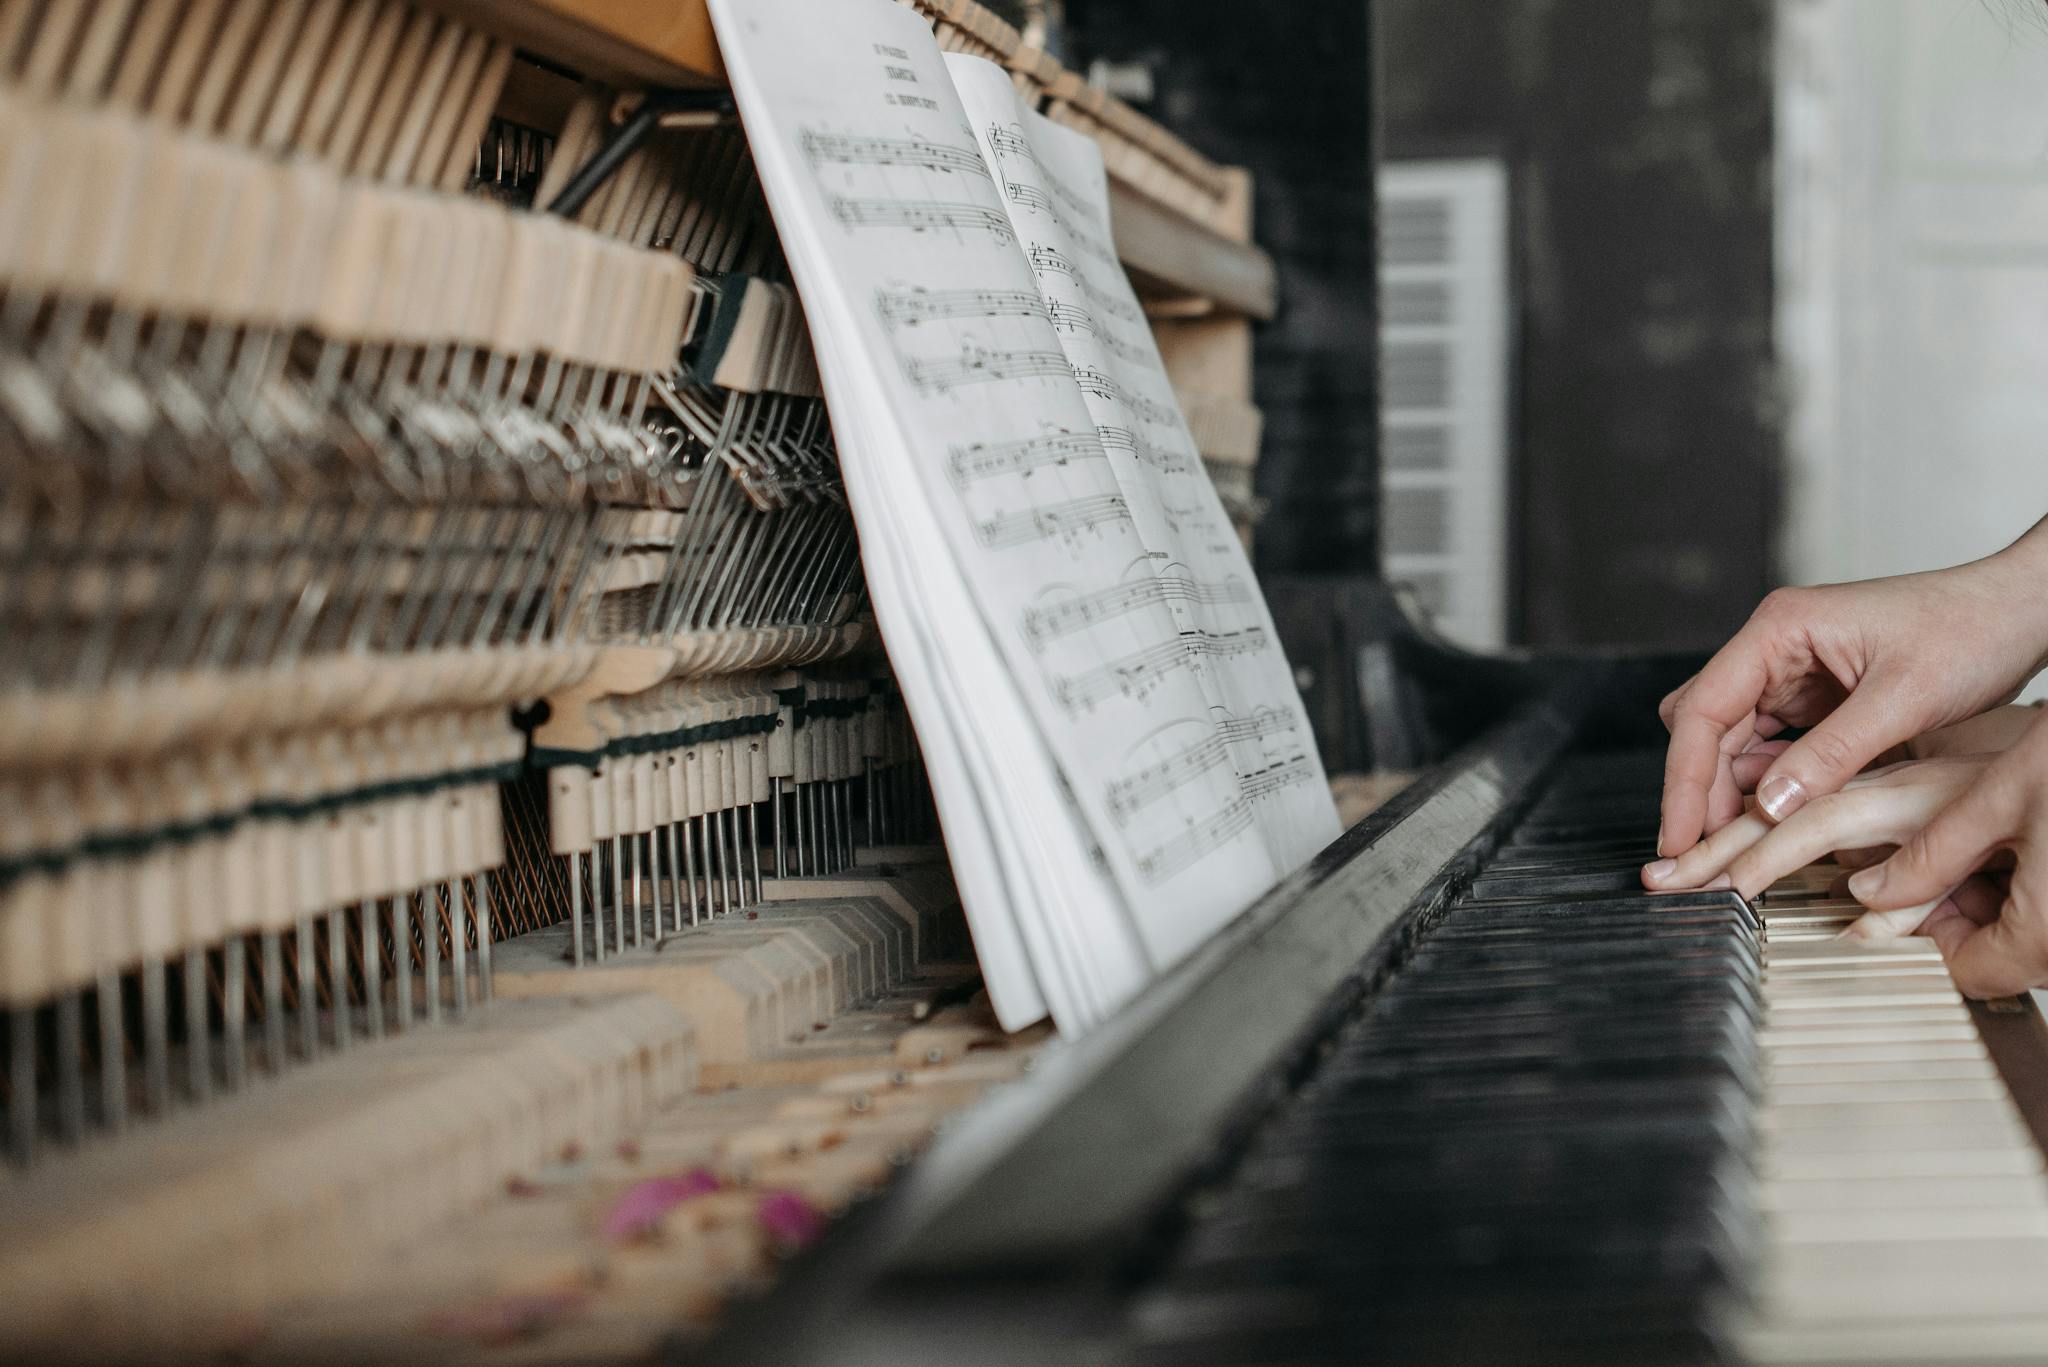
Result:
622,42
1167,253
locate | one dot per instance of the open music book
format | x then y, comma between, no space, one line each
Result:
1120,758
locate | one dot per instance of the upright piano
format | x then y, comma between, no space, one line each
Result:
468,891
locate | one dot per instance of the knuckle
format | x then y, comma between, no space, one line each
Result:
1830,750
1782,603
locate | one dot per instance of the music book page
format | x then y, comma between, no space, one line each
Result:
1119,755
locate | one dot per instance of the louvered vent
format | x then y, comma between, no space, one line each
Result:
1443,386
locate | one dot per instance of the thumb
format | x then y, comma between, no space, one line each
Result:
1827,757
1945,852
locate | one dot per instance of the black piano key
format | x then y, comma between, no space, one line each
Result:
1532,1144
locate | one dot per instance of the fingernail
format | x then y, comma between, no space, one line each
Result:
1658,870
1865,884
1780,796
1660,837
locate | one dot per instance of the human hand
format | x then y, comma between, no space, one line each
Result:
1994,939
1872,815
1865,665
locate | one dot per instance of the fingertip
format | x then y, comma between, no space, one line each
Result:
1780,795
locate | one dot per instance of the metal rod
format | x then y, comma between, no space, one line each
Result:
113,1055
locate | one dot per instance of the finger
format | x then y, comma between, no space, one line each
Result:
1890,925
1863,858
1948,849
1978,899
1752,764
1724,799
2002,959
1829,755
1700,864
1810,835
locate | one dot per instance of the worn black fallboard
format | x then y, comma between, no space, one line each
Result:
1018,1235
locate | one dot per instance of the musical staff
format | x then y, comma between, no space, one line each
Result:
908,308
978,365
1050,261
871,151
1030,196
1008,140
985,460
1185,849
1046,624
1265,722
1054,520
1071,318
1274,778
1096,382
1119,438
920,215
1134,674
1129,796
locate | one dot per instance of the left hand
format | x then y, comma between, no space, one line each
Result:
1876,810
1994,947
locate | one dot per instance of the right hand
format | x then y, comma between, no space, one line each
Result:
1866,666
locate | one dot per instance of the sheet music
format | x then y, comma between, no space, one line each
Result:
1070,635
1058,198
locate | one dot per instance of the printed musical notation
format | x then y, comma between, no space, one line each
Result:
1048,623
1030,196
1054,520
1192,844
872,151
908,308
1133,675
978,365
1129,796
1272,779
920,215
986,459
1119,438
1098,383
1008,140
1051,261
1265,722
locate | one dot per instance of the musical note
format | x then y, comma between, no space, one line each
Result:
1096,382
1058,519
1273,778
1118,438
1008,140
870,151
1264,722
1192,844
920,215
1045,624
983,460
908,308
1129,796
976,365
1049,261
1071,318
1030,196
1133,675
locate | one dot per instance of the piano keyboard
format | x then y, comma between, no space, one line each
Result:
1583,1124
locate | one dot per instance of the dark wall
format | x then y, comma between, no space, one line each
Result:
1638,135
1283,88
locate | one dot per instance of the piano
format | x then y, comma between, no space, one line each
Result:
468,892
